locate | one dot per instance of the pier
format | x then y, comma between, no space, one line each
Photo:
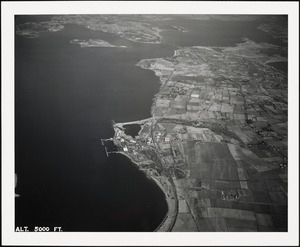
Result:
110,152
103,140
106,151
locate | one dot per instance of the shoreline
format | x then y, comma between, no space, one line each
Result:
168,221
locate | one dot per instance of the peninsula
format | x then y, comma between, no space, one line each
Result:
217,140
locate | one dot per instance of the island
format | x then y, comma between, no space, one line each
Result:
93,43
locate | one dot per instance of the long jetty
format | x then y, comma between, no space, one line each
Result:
120,125
106,151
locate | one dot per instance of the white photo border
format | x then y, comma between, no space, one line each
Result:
10,9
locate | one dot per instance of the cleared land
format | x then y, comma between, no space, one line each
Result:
219,134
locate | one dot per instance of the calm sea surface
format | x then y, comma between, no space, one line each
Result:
65,99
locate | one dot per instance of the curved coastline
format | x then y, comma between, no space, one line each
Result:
168,222
163,182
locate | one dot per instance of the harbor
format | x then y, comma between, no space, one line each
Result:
109,146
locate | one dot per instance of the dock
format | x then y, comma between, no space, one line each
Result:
106,151
103,140
110,152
